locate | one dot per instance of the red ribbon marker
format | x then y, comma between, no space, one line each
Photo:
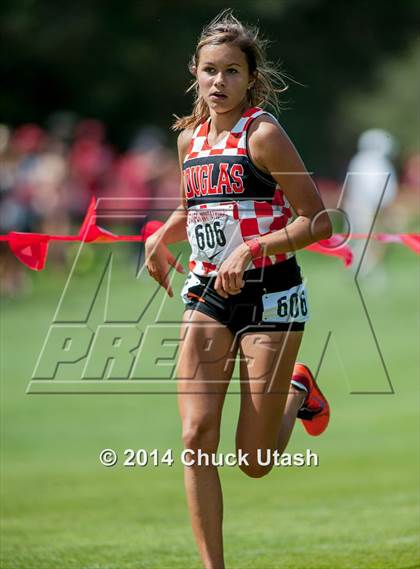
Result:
31,249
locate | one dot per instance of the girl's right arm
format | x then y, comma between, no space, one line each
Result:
158,256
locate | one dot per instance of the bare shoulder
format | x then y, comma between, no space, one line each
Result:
268,142
265,128
183,142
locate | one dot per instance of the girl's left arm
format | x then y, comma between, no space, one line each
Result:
273,151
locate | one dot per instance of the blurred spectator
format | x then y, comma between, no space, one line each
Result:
330,191
141,177
407,206
47,178
371,188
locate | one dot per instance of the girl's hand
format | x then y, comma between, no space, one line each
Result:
158,260
229,278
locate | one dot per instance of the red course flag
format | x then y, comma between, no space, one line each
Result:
32,248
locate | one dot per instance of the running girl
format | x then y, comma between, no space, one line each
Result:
241,178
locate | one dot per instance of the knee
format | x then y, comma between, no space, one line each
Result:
201,434
253,466
254,469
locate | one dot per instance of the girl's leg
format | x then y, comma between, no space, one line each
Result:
268,410
294,401
205,367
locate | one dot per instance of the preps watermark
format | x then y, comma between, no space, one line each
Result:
189,457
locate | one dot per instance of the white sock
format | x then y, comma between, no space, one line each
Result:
299,385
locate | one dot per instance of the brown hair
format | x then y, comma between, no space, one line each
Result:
225,28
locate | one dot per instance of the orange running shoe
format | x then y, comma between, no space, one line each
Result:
315,411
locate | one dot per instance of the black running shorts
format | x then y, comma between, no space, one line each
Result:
273,298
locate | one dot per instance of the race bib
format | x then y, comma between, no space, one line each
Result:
213,233
286,306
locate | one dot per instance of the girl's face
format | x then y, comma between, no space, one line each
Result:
223,76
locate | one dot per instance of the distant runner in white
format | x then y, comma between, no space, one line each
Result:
370,177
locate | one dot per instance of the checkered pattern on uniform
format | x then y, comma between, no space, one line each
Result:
256,217
234,144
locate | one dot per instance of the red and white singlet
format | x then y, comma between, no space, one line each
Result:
229,199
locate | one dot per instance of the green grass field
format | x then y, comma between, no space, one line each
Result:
358,510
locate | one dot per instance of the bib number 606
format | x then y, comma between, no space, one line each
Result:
294,305
286,306
208,235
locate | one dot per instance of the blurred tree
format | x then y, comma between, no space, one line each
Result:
392,103
126,63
